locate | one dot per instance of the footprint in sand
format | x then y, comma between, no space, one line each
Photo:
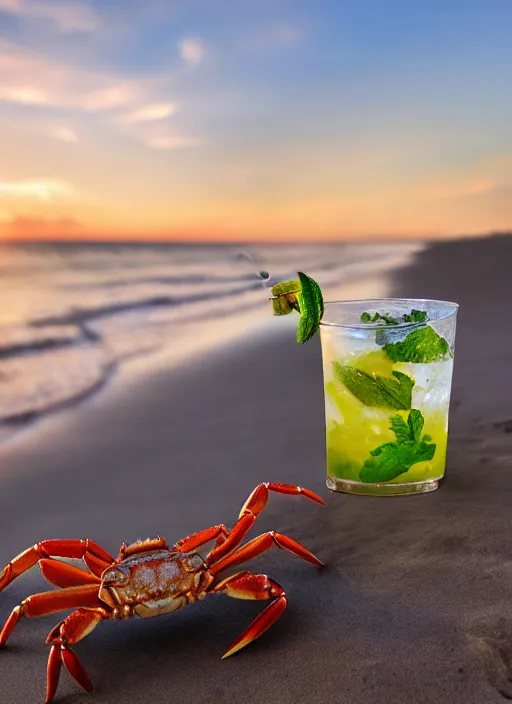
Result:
495,650
504,425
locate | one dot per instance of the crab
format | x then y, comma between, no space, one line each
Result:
147,579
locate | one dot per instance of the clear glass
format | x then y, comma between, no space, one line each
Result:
387,395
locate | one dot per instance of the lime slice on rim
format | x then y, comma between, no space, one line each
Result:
303,296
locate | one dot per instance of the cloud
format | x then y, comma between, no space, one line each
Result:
191,50
174,142
25,96
68,16
64,134
43,190
30,79
131,106
115,96
150,113
463,190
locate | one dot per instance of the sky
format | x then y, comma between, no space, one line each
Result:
255,119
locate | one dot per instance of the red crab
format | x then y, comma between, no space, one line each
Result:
147,579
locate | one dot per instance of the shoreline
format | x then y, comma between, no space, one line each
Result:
218,335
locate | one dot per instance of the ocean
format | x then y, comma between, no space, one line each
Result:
72,313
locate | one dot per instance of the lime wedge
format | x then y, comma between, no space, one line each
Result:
285,297
285,288
303,296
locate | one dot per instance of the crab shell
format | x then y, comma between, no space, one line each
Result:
154,583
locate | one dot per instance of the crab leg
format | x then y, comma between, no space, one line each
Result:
258,545
250,510
75,627
95,557
245,585
191,542
235,537
63,575
258,499
49,603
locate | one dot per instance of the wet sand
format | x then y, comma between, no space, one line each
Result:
415,603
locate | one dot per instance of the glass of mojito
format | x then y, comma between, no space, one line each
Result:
387,371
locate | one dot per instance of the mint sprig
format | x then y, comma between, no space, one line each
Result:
392,459
304,296
422,346
375,390
415,316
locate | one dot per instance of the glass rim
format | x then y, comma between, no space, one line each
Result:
452,309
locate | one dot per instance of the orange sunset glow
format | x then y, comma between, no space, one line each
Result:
277,123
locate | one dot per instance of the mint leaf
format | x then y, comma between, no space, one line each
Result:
410,431
375,390
415,316
311,308
377,317
400,428
398,389
420,346
391,459
416,423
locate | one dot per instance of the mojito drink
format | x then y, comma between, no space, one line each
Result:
387,370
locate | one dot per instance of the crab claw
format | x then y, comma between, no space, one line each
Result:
53,672
75,627
75,668
62,654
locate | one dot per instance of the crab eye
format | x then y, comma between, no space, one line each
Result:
193,561
114,576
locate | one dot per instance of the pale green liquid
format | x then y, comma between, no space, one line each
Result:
354,429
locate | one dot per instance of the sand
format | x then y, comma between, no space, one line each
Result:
415,603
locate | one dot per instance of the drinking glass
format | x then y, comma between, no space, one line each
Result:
387,393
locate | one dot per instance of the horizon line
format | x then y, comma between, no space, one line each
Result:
204,242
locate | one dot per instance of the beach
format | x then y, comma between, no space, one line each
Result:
415,602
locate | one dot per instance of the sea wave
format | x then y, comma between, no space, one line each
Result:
82,314
159,280
76,312
18,340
